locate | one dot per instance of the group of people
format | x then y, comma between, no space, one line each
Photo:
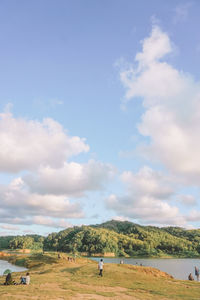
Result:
23,279
72,259
196,272
69,258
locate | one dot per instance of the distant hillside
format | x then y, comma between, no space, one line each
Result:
127,239
125,227
120,238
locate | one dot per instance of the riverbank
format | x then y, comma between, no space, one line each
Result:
179,268
57,278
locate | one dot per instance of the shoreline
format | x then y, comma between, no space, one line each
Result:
80,280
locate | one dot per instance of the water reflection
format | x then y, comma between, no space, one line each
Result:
6,265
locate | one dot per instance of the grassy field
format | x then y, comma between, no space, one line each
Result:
53,278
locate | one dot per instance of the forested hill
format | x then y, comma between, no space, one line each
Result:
120,238
127,239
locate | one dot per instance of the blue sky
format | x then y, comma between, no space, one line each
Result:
99,113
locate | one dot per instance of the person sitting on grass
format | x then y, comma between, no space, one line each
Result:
28,279
25,279
190,277
22,280
9,280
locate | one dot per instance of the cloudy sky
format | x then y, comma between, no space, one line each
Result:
99,113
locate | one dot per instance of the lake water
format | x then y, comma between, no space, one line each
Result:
178,268
6,265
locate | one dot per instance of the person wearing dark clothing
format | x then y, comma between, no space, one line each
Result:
23,280
190,277
197,273
9,279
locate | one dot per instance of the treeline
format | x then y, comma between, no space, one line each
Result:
120,238
126,239
33,241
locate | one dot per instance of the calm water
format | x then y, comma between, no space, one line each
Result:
178,268
6,265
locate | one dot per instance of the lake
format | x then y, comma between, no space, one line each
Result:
6,265
179,268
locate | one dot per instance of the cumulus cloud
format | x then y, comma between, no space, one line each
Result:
73,179
151,79
187,200
148,182
193,216
19,206
46,221
44,192
171,121
147,198
146,210
171,99
28,144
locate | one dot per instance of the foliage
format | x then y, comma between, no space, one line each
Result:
26,242
120,238
4,241
126,239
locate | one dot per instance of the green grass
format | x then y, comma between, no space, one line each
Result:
53,278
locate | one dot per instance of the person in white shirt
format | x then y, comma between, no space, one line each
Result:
27,278
100,267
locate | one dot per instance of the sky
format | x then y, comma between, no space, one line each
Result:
99,113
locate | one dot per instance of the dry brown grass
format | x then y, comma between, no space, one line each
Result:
56,279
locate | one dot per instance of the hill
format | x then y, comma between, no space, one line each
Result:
114,238
126,239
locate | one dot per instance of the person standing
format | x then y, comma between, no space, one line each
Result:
100,267
197,273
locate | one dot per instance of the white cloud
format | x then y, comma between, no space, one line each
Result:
152,79
42,194
146,199
9,227
46,221
19,206
73,179
146,209
193,216
148,182
171,99
153,48
30,144
171,119
187,200
120,218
